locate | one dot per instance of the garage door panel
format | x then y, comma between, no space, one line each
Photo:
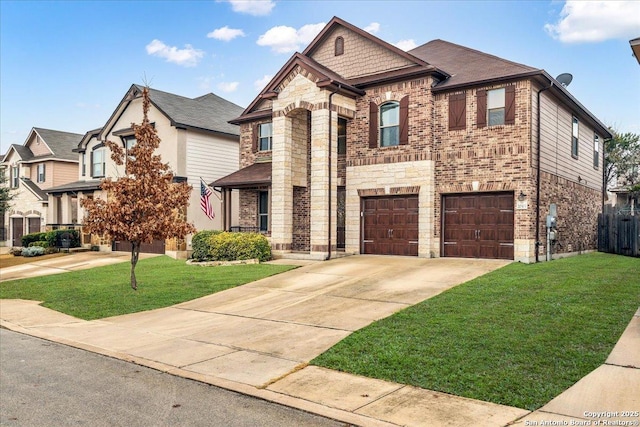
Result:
480,225
395,228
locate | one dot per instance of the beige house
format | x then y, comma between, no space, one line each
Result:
356,146
196,141
45,160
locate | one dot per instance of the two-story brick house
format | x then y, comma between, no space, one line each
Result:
46,159
356,146
196,141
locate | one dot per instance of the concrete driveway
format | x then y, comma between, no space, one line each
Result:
257,333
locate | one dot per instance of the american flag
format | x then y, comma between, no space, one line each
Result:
205,200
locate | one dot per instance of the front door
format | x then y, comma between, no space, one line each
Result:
17,228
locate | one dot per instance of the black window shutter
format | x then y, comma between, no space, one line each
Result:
482,108
255,136
457,111
91,164
373,125
510,105
404,120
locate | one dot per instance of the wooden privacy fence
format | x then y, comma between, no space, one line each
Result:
619,234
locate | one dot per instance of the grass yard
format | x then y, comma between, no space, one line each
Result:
518,336
105,291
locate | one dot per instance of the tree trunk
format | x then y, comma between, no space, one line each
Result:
135,253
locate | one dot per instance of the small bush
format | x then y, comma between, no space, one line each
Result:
201,245
238,246
40,243
17,251
54,238
32,251
28,239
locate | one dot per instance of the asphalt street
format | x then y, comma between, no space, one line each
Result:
48,384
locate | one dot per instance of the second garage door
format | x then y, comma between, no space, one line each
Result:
478,225
390,225
155,247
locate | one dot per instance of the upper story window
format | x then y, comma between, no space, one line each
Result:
596,151
41,173
389,124
496,107
574,137
15,176
97,163
342,135
265,136
129,141
339,46
84,164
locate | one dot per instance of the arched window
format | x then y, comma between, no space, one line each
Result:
390,124
339,46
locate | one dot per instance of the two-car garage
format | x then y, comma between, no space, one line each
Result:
474,225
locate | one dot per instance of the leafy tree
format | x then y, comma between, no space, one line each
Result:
622,159
145,204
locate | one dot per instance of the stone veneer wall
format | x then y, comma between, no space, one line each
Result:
488,159
578,208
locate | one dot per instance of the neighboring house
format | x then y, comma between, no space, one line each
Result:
44,160
196,141
356,146
635,48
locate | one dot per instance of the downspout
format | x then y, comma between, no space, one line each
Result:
537,244
329,211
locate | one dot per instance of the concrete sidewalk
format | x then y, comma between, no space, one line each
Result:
257,339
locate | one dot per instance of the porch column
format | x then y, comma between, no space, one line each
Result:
66,209
282,186
320,209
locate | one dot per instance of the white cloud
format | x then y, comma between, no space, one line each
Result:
283,39
228,86
225,33
261,83
372,28
252,7
406,44
188,56
596,21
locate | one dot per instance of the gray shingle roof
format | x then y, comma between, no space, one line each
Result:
61,143
24,152
76,186
466,65
34,188
208,112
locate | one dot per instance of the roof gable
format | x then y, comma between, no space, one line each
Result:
59,144
364,54
208,112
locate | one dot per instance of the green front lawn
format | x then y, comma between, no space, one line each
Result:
518,336
105,291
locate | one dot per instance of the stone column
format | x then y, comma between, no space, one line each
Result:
319,196
282,187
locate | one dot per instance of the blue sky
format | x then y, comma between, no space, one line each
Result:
66,65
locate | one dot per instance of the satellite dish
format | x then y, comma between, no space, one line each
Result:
564,79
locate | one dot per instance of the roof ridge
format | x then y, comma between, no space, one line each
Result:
470,49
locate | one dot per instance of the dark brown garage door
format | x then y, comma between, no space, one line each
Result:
156,247
390,225
478,225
